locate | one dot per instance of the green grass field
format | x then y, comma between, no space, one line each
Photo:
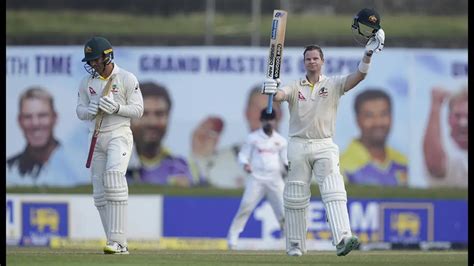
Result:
37,22
353,191
46,256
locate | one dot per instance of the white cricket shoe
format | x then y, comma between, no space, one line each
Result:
347,244
116,248
294,252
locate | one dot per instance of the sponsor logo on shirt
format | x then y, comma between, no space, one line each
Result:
323,92
301,96
114,88
262,150
92,91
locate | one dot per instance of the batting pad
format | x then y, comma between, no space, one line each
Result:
296,197
116,194
334,197
100,202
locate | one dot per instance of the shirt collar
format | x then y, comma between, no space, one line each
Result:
114,71
304,81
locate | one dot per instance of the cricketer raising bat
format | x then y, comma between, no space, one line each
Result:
98,122
275,56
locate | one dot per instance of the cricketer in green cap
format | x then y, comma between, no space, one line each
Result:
95,49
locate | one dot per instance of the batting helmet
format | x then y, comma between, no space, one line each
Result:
96,47
366,22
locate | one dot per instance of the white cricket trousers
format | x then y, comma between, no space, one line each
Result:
110,190
255,190
318,158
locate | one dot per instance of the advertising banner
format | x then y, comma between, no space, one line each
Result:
36,219
372,220
215,82
33,219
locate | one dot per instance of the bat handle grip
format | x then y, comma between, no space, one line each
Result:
91,152
270,104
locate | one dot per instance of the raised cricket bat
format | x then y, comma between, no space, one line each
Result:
275,56
98,122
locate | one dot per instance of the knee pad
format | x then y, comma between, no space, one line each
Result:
98,192
296,195
332,188
115,186
99,200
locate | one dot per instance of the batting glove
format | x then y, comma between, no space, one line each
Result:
376,42
108,105
93,108
270,86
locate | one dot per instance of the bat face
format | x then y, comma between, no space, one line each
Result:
277,39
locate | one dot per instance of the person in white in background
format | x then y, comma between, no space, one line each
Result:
312,103
263,157
114,144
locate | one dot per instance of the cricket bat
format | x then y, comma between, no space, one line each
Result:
275,56
98,122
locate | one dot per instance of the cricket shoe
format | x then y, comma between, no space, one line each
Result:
294,252
115,248
347,244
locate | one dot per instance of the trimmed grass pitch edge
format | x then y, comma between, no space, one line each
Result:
45,256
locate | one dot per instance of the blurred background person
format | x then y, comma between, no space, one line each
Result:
44,161
263,157
446,159
151,162
368,160
220,167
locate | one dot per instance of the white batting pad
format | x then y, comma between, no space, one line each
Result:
334,197
296,197
116,194
100,202
103,218
117,217
338,219
115,186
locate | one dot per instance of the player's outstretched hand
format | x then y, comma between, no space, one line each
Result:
108,105
376,42
270,86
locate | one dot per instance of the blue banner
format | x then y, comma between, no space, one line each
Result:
373,220
41,221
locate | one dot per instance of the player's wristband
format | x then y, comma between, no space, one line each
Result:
363,67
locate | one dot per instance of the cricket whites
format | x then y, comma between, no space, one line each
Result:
98,122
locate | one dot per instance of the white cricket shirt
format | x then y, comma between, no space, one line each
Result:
313,110
266,155
125,91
